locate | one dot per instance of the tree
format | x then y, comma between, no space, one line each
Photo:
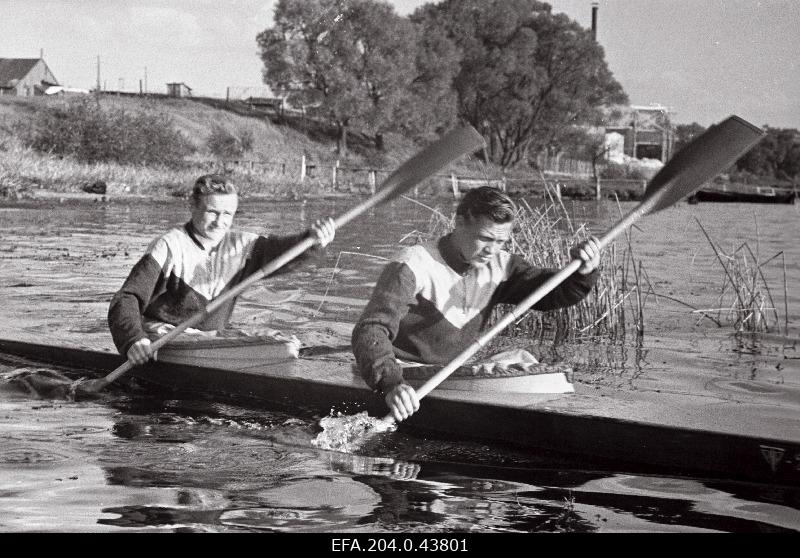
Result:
776,156
527,76
684,133
431,101
303,53
384,63
361,62
226,145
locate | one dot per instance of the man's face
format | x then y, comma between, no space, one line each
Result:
480,238
212,215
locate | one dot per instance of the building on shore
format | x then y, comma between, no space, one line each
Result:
179,90
25,77
640,132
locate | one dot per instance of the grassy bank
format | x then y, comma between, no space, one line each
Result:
271,167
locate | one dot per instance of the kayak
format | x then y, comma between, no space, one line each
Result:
265,354
747,439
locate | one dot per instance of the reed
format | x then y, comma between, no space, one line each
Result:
745,299
543,236
335,272
615,307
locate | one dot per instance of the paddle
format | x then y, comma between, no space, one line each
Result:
433,158
699,161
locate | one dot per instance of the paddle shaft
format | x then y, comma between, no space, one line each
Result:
456,143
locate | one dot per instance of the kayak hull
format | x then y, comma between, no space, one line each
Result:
661,434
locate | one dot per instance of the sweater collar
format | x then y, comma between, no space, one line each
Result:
189,228
451,255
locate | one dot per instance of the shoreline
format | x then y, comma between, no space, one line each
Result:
43,195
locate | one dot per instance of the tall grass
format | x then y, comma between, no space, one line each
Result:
24,170
745,299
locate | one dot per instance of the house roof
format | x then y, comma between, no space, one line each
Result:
15,68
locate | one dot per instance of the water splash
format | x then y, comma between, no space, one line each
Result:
347,433
42,383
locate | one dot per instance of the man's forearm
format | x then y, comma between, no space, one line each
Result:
375,357
125,321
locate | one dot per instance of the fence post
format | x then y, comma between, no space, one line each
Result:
454,185
558,191
283,168
302,169
644,185
504,185
597,194
334,170
372,181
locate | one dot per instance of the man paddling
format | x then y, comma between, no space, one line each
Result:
184,269
433,299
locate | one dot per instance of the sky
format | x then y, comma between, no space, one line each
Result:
703,59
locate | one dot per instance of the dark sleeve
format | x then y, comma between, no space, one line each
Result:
129,303
378,326
523,279
267,248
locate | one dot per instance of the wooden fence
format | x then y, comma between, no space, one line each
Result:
341,178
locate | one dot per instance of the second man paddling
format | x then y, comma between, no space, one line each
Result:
433,300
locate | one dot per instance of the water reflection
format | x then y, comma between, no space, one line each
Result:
148,463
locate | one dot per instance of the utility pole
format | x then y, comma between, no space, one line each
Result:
145,80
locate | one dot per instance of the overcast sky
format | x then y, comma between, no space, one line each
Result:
704,59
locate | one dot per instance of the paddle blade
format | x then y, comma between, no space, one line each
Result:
433,158
424,164
700,160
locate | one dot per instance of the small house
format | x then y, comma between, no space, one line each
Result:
179,90
25,77
647,132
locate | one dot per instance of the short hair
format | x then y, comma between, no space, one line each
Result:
209,184
488,202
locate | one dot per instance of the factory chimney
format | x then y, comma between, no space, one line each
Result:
594,20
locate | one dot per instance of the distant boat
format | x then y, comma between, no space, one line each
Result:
757,195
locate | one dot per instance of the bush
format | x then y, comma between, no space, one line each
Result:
84,130
225,145
616,171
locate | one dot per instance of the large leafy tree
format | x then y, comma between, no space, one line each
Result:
684,133
384,63
777,155
302,55
527,76
360,63
430,105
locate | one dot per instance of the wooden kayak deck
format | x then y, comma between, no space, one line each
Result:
753,438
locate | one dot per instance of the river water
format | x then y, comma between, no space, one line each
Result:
144,462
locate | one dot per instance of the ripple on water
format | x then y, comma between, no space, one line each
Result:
308,505
31,454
